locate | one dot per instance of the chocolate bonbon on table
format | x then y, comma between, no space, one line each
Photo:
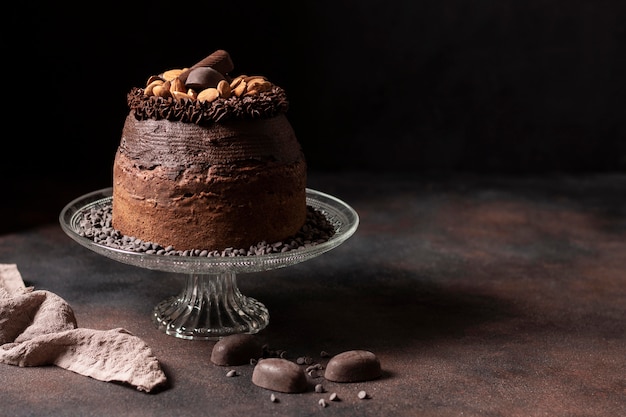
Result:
353,366
236,349
280,375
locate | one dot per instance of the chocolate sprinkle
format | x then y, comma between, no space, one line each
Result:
96,224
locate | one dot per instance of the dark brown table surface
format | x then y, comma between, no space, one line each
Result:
481,296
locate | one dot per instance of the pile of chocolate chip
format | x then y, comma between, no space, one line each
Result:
96,224
274,372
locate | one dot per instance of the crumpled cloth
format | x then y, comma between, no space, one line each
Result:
38,327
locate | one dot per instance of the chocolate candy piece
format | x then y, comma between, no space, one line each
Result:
203,77
353,366
236,349
278,374
219,60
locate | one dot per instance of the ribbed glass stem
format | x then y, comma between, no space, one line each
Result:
209,307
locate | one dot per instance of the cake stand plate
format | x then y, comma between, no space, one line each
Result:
210,305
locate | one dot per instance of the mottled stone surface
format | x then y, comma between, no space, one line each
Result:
480,296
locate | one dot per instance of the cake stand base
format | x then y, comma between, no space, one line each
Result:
209,308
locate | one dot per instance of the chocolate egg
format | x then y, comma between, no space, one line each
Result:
279,374
353,366
203,77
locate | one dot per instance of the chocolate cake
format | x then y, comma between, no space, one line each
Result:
208,160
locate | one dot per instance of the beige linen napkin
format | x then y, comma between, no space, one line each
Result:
37,327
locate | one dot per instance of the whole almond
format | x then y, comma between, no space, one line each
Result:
179,95
235,82
153,78
177,85
209,94
248,78
259,85
162,90
223,88
159,91
148,90
240,89
171,74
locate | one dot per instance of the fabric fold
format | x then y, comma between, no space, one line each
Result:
38,327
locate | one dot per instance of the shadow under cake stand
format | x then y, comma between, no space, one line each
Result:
210,305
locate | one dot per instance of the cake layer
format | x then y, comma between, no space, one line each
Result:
173,145
209,187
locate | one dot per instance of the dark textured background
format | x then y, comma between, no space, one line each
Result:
510,87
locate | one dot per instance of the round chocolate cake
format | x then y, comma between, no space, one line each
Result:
208,161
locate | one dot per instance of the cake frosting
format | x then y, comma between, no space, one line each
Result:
208,161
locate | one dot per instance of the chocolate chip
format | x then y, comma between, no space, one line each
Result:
95,225
353,366
280,375
236,349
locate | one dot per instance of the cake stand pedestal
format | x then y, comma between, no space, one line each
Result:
210,305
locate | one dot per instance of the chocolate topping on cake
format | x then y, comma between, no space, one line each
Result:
205,93
263,105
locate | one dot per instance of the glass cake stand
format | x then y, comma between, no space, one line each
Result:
210,305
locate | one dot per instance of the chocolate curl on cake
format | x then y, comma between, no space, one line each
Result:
218,60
